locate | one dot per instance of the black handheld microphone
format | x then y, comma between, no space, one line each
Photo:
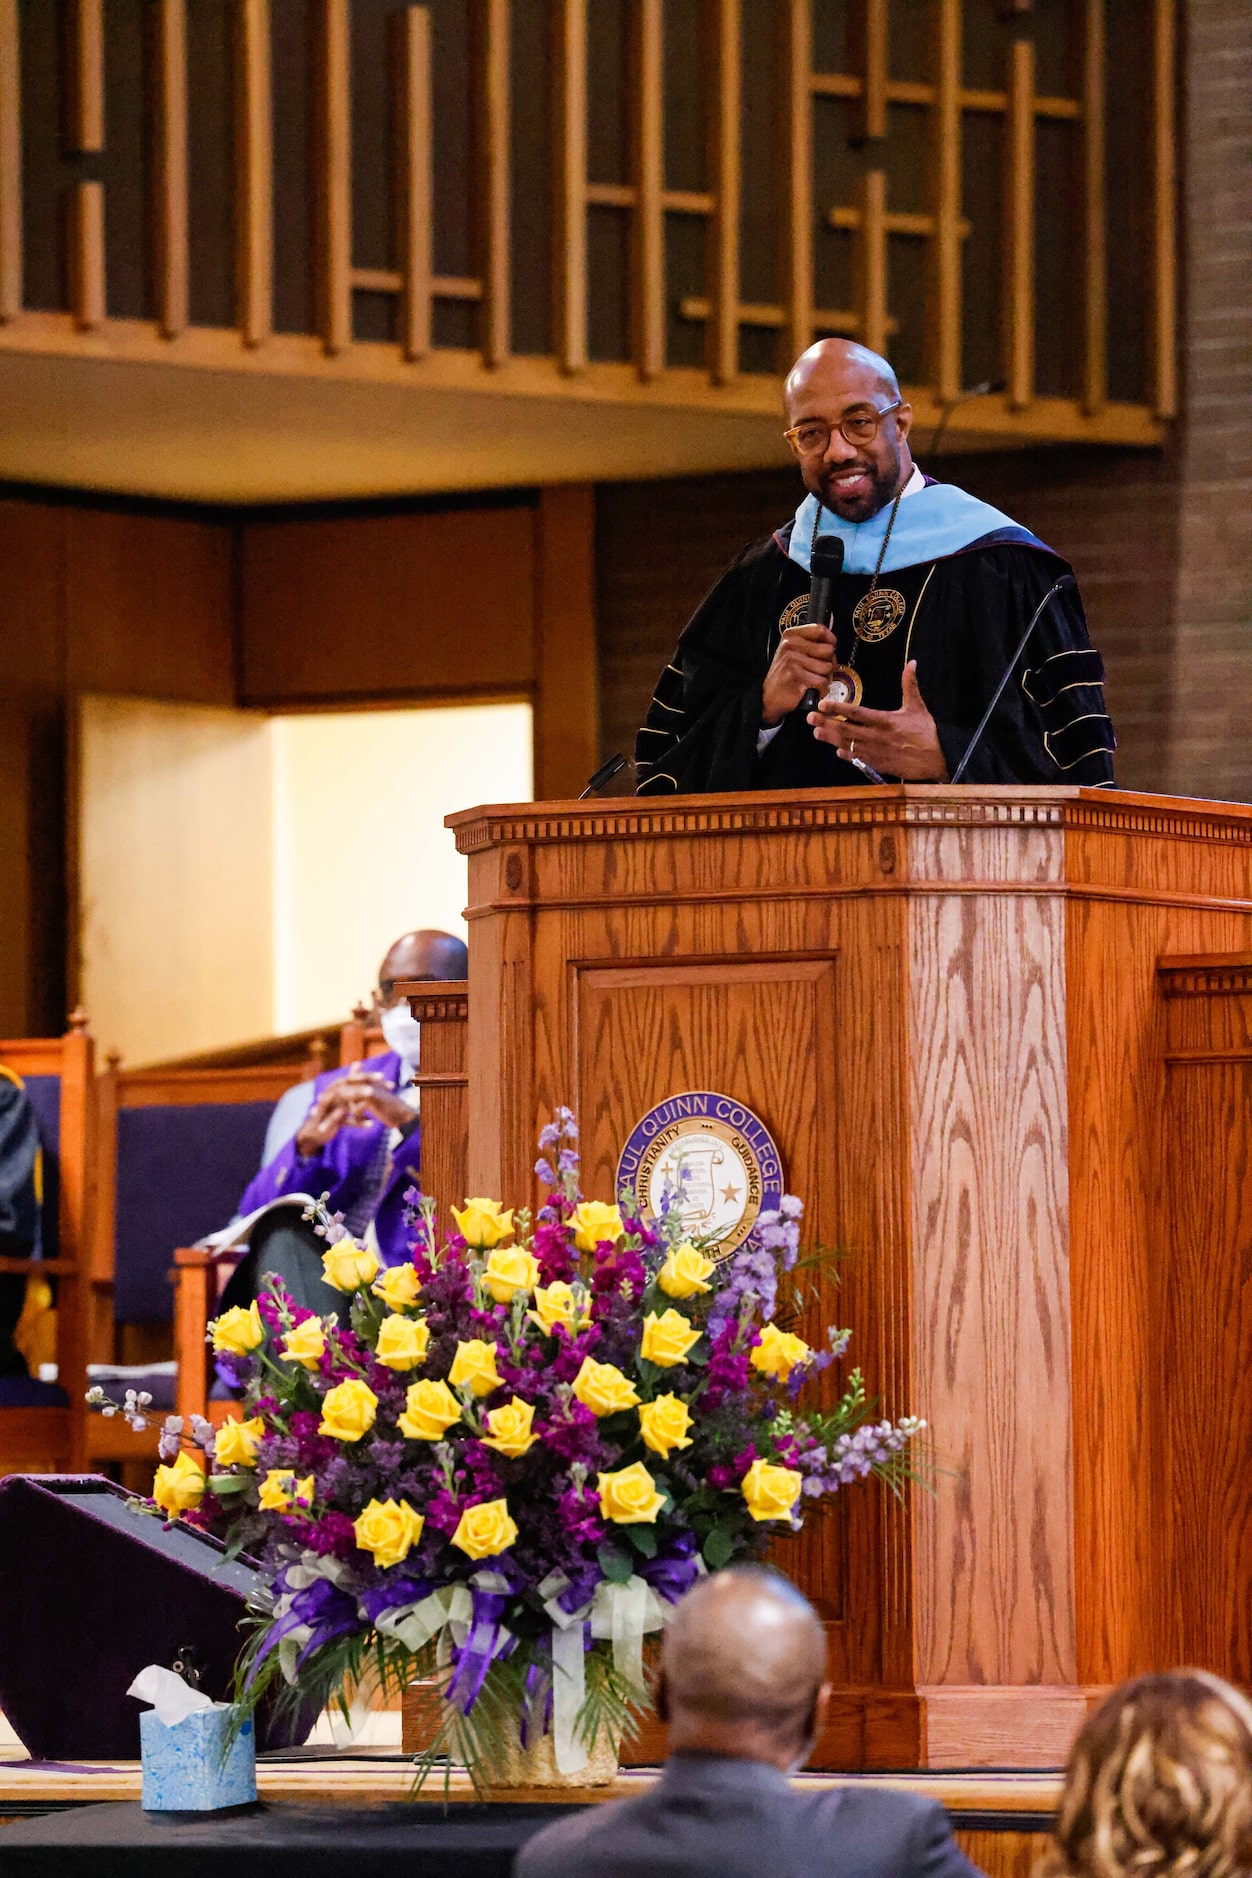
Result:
1058,586
824,570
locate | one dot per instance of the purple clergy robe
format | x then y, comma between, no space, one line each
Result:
342,1168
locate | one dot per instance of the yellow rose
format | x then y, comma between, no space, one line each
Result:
629,1497
475,1364
347,1266
593,1221
280,1490
179,1487
237,1443
509,1270
667,1339
664,1424
510,1429
388,1529
485,1530
238,1331
603,1389
483,1223
430,1409
778,1352
685,1272
348,1410
560,1304
402,1342
398,1286
771,1491
305,1344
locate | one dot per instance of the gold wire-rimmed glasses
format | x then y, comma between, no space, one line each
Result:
812,437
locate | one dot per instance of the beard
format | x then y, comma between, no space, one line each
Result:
862,501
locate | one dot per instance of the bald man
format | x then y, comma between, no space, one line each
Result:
936,591
743,1689
351,1134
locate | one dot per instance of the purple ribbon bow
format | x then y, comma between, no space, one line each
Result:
474,1658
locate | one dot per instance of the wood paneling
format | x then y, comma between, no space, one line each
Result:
15,901
980,1128
1151,876
32,638
991,1237
389,606
1203,1300
147,606
567,692
443,1078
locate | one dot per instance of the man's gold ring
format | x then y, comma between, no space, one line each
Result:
851,746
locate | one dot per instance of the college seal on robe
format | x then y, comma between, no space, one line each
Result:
710,1157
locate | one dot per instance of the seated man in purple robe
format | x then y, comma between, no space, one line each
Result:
351,1134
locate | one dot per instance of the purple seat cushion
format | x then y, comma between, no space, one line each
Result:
180,1172
28,1392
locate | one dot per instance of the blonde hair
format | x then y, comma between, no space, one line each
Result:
1159,1784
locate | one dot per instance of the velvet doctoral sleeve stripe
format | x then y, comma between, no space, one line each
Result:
1051,724
1067,690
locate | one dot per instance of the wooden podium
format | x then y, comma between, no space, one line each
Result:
1003,1038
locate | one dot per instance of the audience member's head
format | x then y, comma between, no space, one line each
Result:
743,1669
1159,1784
426,954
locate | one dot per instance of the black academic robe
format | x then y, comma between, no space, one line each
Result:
963,616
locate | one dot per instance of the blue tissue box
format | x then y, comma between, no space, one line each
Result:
189,1769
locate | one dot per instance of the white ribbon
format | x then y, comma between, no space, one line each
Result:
569,1688
621,1614
450,1608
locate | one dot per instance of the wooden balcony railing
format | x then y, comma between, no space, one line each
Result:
633,199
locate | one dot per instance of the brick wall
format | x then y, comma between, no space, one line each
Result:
1211,731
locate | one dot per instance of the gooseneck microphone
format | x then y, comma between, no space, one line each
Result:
825,567
1058,586
605,774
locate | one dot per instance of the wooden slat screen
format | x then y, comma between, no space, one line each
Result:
769,283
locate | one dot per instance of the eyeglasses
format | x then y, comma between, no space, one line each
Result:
812,438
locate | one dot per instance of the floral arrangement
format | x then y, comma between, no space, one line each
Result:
506,1460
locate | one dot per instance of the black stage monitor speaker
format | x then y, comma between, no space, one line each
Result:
91,1591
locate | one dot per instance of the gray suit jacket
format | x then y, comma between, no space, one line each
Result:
709,1818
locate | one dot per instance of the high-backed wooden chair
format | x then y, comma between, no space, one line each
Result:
43,1427
200,1275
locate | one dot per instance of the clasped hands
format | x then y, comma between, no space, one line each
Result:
903,743
356,1097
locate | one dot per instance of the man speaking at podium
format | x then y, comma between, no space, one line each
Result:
932,592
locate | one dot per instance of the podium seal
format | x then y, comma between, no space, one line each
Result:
711,1158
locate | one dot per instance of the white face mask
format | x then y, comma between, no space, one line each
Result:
402,1033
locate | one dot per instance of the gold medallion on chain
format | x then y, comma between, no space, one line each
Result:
877,614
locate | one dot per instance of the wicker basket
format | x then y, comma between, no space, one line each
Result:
534,1766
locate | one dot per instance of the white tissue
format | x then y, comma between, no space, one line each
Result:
171,1697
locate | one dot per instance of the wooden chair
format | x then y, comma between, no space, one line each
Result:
200,1276
57,1073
